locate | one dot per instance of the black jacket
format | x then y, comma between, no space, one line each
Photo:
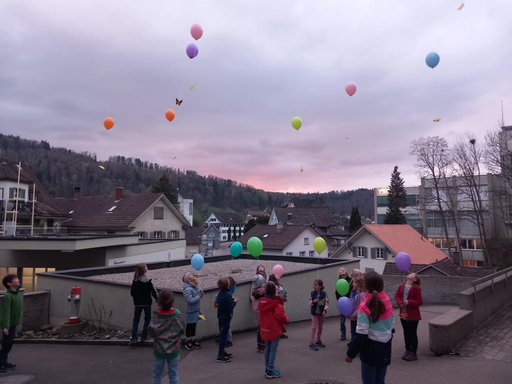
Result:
142,290
370,351
225,305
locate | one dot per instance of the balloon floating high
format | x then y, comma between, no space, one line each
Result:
255,247
197,261
170,115
342,287
345,306
192,50
403,261
351,88
296,123
196,31
108,123
432,59
236,249
319,245
278,270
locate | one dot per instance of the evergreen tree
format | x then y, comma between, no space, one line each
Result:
163,185
355,220
397,198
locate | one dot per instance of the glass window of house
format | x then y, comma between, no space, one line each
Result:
302,254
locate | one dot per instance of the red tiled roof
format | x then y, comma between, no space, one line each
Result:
404,238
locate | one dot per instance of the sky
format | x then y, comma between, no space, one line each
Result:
67,65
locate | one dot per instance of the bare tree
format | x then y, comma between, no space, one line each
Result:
432,162
467,157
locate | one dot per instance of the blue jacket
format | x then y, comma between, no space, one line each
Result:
192,298
322,303
226,305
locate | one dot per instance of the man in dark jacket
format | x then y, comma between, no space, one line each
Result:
226,303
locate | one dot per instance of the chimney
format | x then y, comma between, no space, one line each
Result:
76,195
280,228
119,193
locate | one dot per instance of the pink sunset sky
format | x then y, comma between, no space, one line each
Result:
67,65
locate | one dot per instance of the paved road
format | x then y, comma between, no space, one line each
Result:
50,364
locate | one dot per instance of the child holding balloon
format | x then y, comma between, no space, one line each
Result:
192,294
319,303
357,298
343,274
258,291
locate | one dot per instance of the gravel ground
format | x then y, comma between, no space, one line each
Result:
240,270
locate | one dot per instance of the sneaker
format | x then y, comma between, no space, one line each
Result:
143,339
410,357
414,356
132,342
223,359
275,374
228,355
343,337
313,347
228,344
284,336
189,345
404,356
196,345
320,344
10,365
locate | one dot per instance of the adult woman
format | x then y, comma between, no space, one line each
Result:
258,291
409,299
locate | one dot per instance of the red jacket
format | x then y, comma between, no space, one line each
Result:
272,317
414,301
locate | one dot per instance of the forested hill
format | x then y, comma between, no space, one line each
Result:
61,169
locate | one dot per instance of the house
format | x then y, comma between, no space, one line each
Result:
193,237
302,202
376,244
284,240
210,239
231,225
444,267
22,212
187,209
150,215
253,215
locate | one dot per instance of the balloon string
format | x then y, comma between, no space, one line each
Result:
436,109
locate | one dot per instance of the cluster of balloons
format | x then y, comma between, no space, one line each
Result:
197,261
403,261
345,306
197,32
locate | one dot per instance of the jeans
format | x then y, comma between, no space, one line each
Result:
410,334
224,329
372,374
270,354
172,366
136,319
7,343
230,335
343,328
317,325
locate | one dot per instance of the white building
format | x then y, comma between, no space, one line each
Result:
187,208
411,212
231,225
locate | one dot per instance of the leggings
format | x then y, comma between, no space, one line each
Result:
410,334
191,330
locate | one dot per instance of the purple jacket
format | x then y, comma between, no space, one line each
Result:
357,302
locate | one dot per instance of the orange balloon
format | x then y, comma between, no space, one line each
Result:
170,115
108,123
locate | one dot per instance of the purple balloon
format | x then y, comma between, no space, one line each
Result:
403,261
345,306
192,50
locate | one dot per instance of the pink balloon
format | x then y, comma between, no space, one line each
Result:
196,31
351,88
278,270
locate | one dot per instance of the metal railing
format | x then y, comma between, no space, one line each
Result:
26,230
491,277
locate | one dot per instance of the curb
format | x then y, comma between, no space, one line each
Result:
83,342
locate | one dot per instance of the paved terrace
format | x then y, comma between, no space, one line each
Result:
50,364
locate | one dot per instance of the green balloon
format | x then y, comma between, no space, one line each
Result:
319,245
255,247
342,287
296,123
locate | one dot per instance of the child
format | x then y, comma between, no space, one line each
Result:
319,303
11,317
166,328
374,331
409,299
357,297
280,292
258,291
272,318
226,303
232,288
343,274
142,290
192,294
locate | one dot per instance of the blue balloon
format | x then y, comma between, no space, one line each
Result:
236,249
345,306
432,59
197,261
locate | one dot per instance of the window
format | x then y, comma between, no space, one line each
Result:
1,193
302,254
311,253
191,209
382,201
380,219
289,253
379,253
368,270
142,235
175,234
158,213
210,243
306,241
13,194
360,251
157,235
412,200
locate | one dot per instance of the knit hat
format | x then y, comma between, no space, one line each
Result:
258,281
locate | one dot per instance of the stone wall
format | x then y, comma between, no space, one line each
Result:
36,310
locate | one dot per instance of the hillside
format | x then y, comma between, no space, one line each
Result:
61,169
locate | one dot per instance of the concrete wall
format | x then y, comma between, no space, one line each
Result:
36,306
146,252
118,306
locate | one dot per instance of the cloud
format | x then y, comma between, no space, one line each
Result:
65,66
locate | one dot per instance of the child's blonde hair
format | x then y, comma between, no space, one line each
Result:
140,270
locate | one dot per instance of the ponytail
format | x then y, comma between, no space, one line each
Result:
374,284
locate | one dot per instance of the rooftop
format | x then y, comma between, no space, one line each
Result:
320,216
445,267
272,238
